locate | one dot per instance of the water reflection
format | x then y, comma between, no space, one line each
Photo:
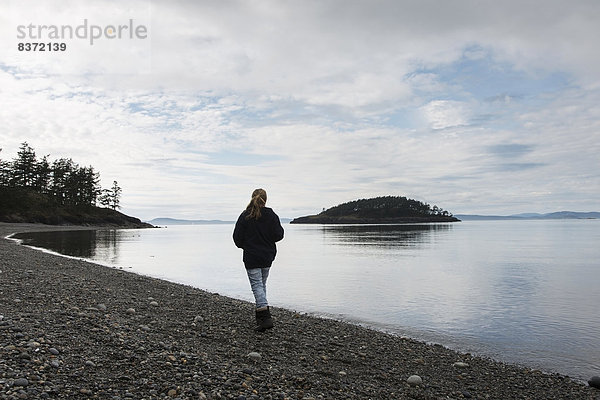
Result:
96,245
382,235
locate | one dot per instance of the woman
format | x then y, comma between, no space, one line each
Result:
256,231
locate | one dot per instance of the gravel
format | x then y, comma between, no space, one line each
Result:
71,336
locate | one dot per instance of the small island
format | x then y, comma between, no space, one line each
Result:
379,210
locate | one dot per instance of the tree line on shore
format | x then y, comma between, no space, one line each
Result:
64,181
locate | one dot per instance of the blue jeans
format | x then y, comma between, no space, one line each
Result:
258,283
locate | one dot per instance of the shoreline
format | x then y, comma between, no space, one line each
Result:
67,328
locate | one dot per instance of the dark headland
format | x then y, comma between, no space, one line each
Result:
71,329
379,210
26,206
61,192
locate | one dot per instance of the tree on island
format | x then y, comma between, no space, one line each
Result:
386,209
37,190
66,181
111,197
397,206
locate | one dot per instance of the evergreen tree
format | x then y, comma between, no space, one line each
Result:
116,196
62,169
24,167
5,172
104,198
42,175
90,185
111,198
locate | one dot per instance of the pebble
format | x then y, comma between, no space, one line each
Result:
90,363
460,365
21,382
414,380
154,304
198,319
594,382
102,307
254,356
130,311
52,350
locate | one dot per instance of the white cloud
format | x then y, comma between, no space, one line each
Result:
442,114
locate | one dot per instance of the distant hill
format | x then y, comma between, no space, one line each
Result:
379,210
554,215
174,221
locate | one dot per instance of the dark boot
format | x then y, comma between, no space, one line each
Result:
264,320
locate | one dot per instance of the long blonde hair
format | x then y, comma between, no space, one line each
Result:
258,201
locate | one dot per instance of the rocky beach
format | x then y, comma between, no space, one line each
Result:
73,329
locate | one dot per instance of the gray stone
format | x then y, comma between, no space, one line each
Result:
154,304
414,380
460,365
21,382
130,311
102,307
254,356
594,382
90,363
52,350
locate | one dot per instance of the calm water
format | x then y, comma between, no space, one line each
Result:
519,291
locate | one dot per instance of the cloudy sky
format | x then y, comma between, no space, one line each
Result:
481,107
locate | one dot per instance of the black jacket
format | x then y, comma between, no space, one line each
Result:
257,237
